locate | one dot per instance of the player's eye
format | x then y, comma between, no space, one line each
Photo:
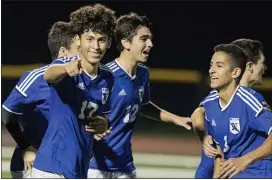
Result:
90,39
102,40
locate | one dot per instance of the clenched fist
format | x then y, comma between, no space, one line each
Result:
97,124
74,68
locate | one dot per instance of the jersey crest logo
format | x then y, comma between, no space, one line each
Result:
105,95
141,93
234,125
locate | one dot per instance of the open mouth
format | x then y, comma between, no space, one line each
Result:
146,52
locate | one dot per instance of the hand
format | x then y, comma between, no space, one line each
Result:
97,125
266,106
74,68
29,155
232,167
208,149
182,121
98,137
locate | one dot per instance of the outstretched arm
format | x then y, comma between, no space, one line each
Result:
154,112
233,166
55,73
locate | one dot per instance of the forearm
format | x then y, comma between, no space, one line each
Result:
152,111
55,73
217,162
261,152
11,121
198,122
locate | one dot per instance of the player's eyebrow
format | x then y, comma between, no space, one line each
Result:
219,62
146,36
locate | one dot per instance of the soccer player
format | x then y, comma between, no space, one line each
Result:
253,75
112,156
236,119
80,90
29,103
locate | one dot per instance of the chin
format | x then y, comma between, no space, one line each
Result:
94,60
143,60
214,86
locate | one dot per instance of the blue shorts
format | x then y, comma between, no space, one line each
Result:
205,167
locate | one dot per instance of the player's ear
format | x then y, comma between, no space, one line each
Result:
236,73
77,40
109,43
62,52
126,44
249,67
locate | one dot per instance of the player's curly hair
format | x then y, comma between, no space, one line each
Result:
239,58
60,35
127,27
252,48
98,18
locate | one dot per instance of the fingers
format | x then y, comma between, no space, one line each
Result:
25,166
228,171
208,149
210,139
98,138
89,129
226,166
74,68
234,173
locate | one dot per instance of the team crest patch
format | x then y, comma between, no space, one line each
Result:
141,93
234,125
105,95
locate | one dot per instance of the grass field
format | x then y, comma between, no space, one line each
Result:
148,165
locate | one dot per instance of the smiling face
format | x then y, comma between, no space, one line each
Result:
221,70
93,46
141,44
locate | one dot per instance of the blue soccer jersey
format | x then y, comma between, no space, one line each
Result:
240,127
67,146
30,98
113,153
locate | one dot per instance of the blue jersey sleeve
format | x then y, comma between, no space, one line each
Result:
212,95
29,90
261,119
263,122
64,60
146,94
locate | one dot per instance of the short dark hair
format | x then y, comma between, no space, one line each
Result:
238,59
127,27
99,18
252,48
59,35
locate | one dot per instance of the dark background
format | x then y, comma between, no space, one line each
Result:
184,36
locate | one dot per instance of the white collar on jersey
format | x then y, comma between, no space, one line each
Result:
92,77
223,108
132,77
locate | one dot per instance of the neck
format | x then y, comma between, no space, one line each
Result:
127,62
245,81
91,69
226,93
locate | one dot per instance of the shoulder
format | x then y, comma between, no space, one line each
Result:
142,68
212,97
251,98
30,79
